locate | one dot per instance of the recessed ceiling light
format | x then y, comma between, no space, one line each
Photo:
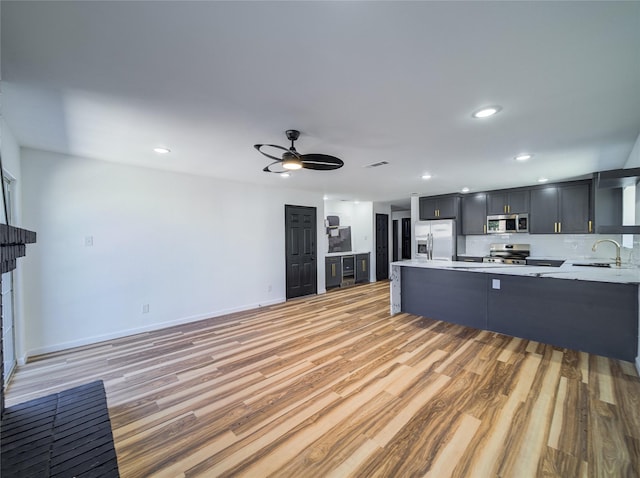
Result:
465,190
284,175
486,111
325,197
356,202
523,157
543,180
426,176
162,150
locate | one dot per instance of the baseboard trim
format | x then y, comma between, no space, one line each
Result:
139,330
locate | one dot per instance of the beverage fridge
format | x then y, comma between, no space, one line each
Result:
436,240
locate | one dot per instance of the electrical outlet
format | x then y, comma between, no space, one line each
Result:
145,308
88,241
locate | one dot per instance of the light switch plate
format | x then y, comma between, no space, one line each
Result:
495,284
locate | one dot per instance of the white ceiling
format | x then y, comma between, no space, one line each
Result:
365,81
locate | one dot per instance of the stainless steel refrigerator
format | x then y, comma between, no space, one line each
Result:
436,240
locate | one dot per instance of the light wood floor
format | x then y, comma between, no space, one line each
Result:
333,386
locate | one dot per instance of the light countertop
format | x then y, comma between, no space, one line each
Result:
350,253
619,275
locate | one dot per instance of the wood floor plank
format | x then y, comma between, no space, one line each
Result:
333,386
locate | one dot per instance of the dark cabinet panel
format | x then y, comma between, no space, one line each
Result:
438,207
474,214
428,208
362,267
508,202
333,271
518,201
453,296
561,209
543,217
574,209
497,203
595,317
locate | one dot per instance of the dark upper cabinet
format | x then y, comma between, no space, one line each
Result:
543,216
574,209
508,202
474,214
561,209
362,267
438,207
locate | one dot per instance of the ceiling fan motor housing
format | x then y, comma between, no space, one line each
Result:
293,134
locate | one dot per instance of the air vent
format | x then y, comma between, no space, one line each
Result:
375,165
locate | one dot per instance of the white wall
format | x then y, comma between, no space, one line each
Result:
190,247
358,215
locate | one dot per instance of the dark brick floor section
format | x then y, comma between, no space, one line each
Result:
67,434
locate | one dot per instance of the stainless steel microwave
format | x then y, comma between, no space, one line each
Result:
507,223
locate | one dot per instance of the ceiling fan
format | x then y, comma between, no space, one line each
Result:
292,160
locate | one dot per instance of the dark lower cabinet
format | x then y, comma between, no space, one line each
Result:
453,296
362,267
595,317
346,269
333,271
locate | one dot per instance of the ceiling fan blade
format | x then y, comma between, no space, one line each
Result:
267,169
259,146
321,162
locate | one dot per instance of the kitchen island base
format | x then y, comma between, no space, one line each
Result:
595,317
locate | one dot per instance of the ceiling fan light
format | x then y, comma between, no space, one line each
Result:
290,161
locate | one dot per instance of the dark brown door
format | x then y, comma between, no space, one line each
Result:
300,243
382,246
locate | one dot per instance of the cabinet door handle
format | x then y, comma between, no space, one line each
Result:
484,228
364,265
590,227
555,227
333,270
504,208
509,208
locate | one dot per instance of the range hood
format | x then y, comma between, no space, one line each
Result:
608,200
617,178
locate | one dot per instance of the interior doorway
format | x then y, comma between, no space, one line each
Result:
382,246
300,246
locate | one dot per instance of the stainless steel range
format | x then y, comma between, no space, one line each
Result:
508,253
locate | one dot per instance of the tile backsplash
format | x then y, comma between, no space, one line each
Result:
560,246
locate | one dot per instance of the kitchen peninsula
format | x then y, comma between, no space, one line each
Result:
592,309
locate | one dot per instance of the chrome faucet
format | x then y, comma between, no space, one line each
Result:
618,260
